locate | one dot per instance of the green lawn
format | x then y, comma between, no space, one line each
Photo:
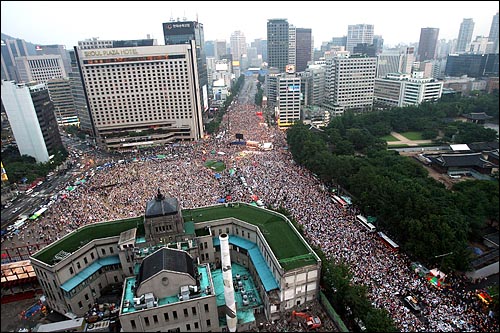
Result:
216,165
284,242
389,138
412,135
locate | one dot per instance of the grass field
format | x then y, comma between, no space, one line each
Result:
215,165
412,135
284,242
389,138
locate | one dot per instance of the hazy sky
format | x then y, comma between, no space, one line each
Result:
67,22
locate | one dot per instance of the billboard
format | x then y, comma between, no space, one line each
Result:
4,174
294,87
178,28
221,67
290,69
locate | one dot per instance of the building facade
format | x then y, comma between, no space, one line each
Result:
40,68
79,97
493,35
11,49
238,44
465,35
350,81
358,34
31,116
62,98
142,96
427,44
400,90
183,32
472,65
304,48
289,97
277,43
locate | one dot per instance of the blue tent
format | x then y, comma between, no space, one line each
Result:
221,200
217,176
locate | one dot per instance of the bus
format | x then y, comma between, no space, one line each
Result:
338,200
364,222
389,242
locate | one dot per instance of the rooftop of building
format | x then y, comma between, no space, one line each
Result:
242,282
288,247
286,244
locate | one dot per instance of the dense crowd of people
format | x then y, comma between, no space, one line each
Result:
121,190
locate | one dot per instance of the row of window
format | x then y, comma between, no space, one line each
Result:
166,318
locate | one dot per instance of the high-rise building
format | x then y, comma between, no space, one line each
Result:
350,80
288,99
62,98
359,33
304,48
57,50
142,96
480,45
79,97
11,49
238,45
40,68
277,43
209,48
182,33
493,36
292,45
427,44
465,35
220,49
31,117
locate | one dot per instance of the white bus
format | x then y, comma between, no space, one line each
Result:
364,222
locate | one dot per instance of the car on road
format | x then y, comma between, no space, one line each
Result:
15,210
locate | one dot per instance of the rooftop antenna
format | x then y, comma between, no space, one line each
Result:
184,17
196,16
171,17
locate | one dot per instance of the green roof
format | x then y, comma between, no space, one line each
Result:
290,250
288,247
83,235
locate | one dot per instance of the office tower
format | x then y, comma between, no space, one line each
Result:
304,48
427,44
62,98
465,35
378,42
288,99
292,45
277,43
314,81
11,49
264,53
220,49
31,117
365,49
493,36
182,33
78,93
350,80
142,96
359,33
55,50
238,44
40,68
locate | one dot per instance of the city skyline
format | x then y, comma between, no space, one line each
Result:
49,22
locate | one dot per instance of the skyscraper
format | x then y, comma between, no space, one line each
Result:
12,48
465,35
493,36
357,34
40,68
277,43
31,117
427,44
182,33
304,47
238,44
220,49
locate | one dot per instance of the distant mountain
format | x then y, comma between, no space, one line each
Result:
29,46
